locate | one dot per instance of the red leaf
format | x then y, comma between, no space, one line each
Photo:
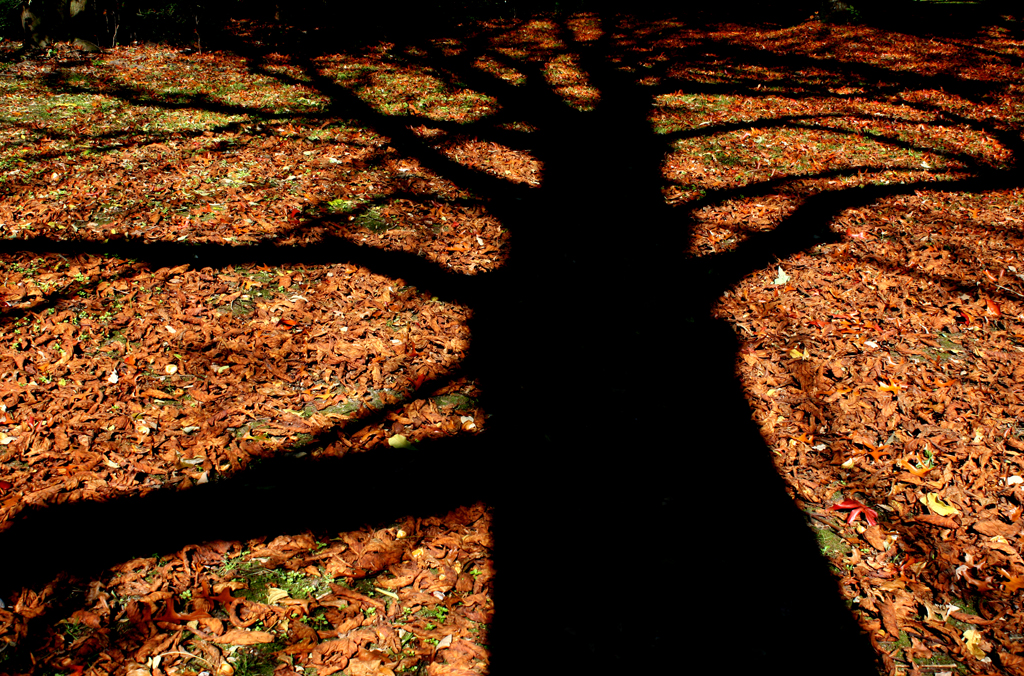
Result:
857,508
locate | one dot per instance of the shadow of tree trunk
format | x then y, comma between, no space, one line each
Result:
639,519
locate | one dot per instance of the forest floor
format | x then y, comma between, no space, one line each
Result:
883,364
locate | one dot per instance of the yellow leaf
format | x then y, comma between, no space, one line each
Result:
399,441
972,641
938,505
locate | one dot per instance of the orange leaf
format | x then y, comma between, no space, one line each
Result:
224,597
915,471
244,637
169,615
877,452
903,570
1012,583
157,394
992,308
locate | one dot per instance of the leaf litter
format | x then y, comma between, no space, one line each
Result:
882,364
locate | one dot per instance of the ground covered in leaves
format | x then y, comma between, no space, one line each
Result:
883,364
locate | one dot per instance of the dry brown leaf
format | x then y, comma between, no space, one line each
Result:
992,527
1013,663
888,613
875,537
334,653
935,520
245,637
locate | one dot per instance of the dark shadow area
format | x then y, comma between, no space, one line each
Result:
940,18
639,519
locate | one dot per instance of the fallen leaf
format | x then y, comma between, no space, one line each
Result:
972,642
170,615
916,471
994,527
888,611
1011,661
857,508
875,537
935,520
274,595
938,613
938,505
244,637
992,308
1013,583
399,441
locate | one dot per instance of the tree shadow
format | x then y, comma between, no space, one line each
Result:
636,506
945,19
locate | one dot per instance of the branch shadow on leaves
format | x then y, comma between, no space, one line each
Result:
615,402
